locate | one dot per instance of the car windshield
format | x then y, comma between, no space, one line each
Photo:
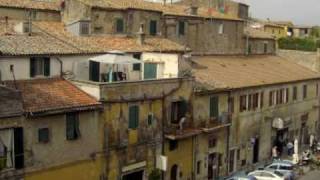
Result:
278,173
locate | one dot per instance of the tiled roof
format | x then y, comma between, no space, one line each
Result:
31,4
104,43
52,95
257,34
168,9
232,72
11,102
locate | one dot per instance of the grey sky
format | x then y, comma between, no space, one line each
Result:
301,12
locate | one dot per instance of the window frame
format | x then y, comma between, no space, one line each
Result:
119,25
40,66
133,117
72,123
214,107
181,28
47,138
153,27
305,91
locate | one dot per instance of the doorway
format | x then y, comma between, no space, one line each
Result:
138,175
213,166
255,158
174,172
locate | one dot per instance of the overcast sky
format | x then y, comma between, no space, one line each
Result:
301,12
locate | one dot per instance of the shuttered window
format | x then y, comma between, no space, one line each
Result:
39,66
119,25
214,107
294,93
133,117
43,135
305,90
150,71
181,28
153,27
72,126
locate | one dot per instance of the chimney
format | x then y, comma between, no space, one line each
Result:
193,10
141,35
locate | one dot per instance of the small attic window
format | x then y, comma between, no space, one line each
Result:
84,28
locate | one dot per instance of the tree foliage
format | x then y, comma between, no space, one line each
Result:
302,44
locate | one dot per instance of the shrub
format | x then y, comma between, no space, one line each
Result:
303,44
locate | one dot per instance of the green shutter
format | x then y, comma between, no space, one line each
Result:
153,27
46,66
150,71
32,66
133,117
119,26
214,107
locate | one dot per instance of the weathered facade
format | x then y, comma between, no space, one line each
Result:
45,146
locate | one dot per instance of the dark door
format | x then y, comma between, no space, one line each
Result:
150,71
133,176
174,172
94,71
18,148
213,164
256,151
231,160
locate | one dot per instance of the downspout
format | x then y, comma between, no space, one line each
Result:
164,115
61,65
228,132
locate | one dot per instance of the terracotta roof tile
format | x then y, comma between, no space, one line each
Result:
238,72
31,4
54,94
104,43
11,102
168,9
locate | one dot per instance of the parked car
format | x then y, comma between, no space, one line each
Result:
241,175
283,166
268,175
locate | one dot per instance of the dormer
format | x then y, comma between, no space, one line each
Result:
80,28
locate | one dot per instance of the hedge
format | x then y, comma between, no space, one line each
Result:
302,44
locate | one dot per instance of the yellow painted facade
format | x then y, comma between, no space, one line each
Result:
80,170
277,31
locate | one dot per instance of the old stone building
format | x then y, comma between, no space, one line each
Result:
30,10
259,42
270,99
54,122
187,25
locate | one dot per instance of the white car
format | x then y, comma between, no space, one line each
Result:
284,167
267,175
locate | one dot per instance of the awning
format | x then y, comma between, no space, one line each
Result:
115,58
278,123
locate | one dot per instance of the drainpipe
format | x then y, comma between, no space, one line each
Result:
164,115
228,132
61,65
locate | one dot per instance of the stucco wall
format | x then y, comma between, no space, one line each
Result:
22,14
257,46
251,124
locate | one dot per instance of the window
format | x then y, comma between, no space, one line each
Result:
284,167
261,100
173,144
178,111
294,93
198,167
133,116
286,95
153,28
212,142
273,167
231,104
317,90
243,103
181,28
39,66
94,71
150,70
11,143
84,28
272,98
265,47
214,107
72,126
255,101
43,135
136,67
150,119
119,25
305,89
221,28
249,102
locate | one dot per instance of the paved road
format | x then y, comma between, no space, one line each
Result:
312,175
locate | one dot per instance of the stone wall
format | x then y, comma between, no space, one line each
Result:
309,60
23,14
257,46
